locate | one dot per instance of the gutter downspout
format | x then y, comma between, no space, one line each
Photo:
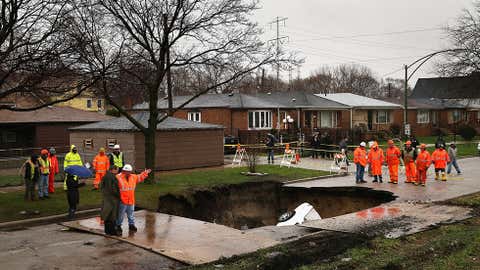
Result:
351,118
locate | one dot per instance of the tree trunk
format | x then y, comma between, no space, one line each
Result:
150,154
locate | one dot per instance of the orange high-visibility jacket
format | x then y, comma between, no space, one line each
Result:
423,160
360,156
53,164
127,186
393,156
101,163
376,158
440,158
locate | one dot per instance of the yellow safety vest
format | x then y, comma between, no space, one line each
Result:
32,169
70,160
44,166
118,160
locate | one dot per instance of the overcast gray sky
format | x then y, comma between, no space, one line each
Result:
381,34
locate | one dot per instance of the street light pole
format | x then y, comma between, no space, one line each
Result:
405,99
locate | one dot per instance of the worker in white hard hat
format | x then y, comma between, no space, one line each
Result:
360,160
127,182
117,158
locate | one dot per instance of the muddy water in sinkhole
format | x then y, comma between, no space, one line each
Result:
258,204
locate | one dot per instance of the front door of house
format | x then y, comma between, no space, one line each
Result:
370,120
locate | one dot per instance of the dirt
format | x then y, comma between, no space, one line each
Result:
252,205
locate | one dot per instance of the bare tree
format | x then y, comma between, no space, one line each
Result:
135,38
35,57
465,39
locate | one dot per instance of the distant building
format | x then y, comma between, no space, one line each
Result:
250,117
45,127
180,144
442,103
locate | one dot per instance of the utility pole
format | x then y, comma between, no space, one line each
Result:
405,99
169,75
278,39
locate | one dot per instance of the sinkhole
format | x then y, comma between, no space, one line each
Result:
257,204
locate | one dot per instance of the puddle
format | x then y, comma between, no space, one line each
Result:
252,205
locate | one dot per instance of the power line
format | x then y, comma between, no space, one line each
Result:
378,34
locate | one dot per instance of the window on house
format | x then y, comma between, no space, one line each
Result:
10,137
88,143
423,116
259,119
457,116
327,119
434,117
89,103
111,143
383,117
195,116
99,104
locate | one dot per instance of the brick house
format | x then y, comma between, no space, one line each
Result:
249,117
442,103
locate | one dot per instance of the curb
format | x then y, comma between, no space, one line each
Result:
314,178
47,219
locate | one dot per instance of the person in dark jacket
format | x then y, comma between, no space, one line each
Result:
73,196
31,177
111,201
315,143
440,141
414,141
270,144
343,146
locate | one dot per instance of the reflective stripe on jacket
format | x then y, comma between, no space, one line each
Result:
127,186
375,158
118,160
393,156
101,163
423,160
44,166
360,156
440,158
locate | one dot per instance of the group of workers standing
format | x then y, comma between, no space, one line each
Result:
112,176
416,161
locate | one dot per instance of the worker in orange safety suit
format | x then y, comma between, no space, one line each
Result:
376,159
409,155
393,160
423,162
360,160
101,163
127,182
52,158
440,159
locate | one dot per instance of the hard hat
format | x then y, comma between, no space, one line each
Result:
116,147
101,149
408,142
44,152
390,142
363,144
423,146
127,168
52,151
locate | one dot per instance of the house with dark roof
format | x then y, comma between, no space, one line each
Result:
444,103
180,143
251,116
46,127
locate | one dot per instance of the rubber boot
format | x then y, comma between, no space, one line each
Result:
444,177
437,176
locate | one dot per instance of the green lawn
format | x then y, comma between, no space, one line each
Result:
11,204
10,180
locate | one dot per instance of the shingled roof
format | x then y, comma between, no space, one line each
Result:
295,99
123,124
359,102
448,87
51,115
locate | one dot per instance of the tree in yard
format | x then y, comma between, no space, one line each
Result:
465,39
146,41
35,57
